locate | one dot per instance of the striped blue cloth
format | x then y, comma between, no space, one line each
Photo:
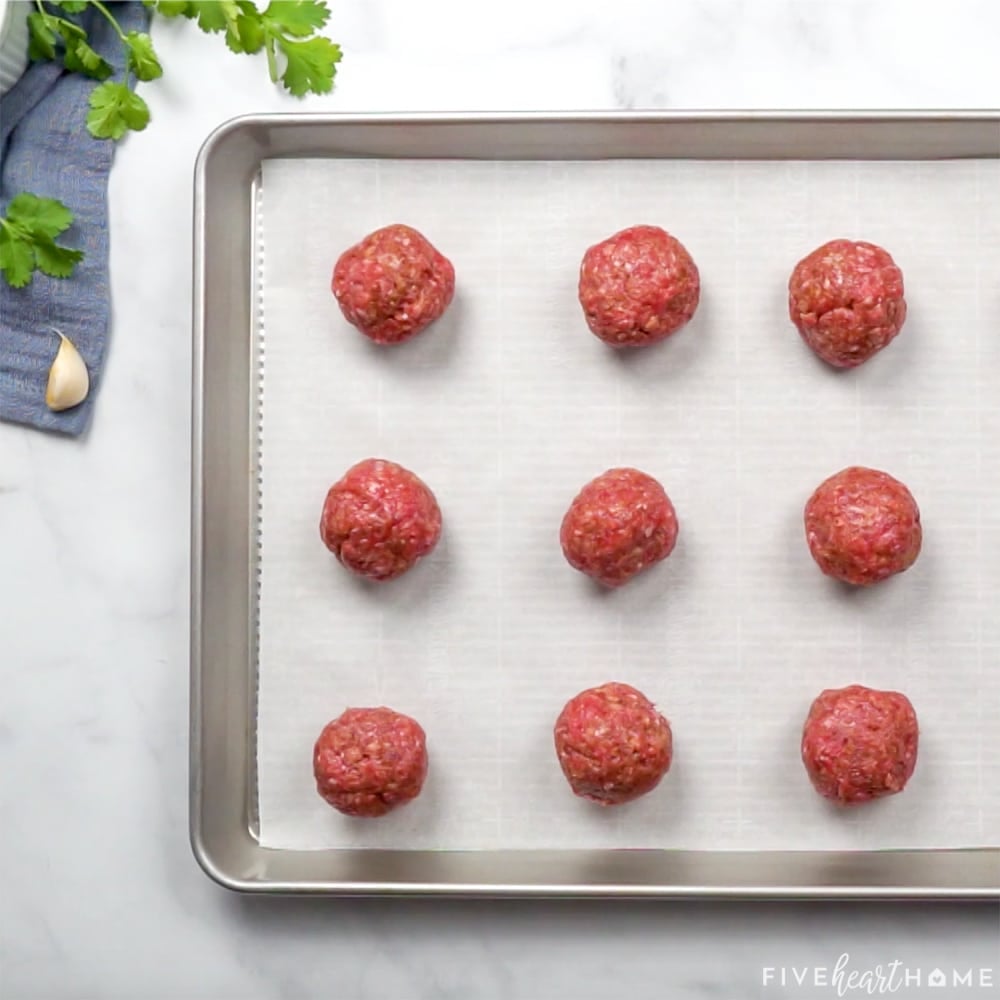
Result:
47,150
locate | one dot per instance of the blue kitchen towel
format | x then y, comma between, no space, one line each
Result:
47,150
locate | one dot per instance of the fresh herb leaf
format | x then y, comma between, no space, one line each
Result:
213,15
142,58
114,110
27,240
310,65
246,33
298,18
71,6
44,31
169,8
54,260
41,37
70,31
79,57
45,216
17,257
284,26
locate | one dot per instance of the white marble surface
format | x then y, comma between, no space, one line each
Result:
99,895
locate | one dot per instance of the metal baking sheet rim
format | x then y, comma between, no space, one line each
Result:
224,499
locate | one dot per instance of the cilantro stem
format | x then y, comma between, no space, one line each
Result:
110,17
272,65
230,21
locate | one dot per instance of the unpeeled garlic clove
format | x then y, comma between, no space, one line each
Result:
69,382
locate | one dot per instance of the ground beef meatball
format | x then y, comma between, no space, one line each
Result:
379,519
370,760
620,523
846,299
638,287
859,744
612,744
393,284
863,526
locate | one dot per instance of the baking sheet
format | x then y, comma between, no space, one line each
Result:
508,405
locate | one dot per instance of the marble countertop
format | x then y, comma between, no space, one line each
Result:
101,896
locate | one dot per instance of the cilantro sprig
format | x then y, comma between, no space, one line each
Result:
28,240
47,29
286,30
114,107
302,60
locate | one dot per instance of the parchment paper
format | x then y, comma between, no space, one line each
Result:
508,405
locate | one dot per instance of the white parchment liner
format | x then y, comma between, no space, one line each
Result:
508,405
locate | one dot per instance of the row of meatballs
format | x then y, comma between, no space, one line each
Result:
861,525
613,745
636,288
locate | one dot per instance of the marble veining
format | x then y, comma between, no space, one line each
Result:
101,897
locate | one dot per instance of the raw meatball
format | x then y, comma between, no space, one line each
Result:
613,745
393,284
380,519
859,744
638,287
846,299
619,524
370,760
863,526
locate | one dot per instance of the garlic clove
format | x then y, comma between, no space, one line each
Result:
69,382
